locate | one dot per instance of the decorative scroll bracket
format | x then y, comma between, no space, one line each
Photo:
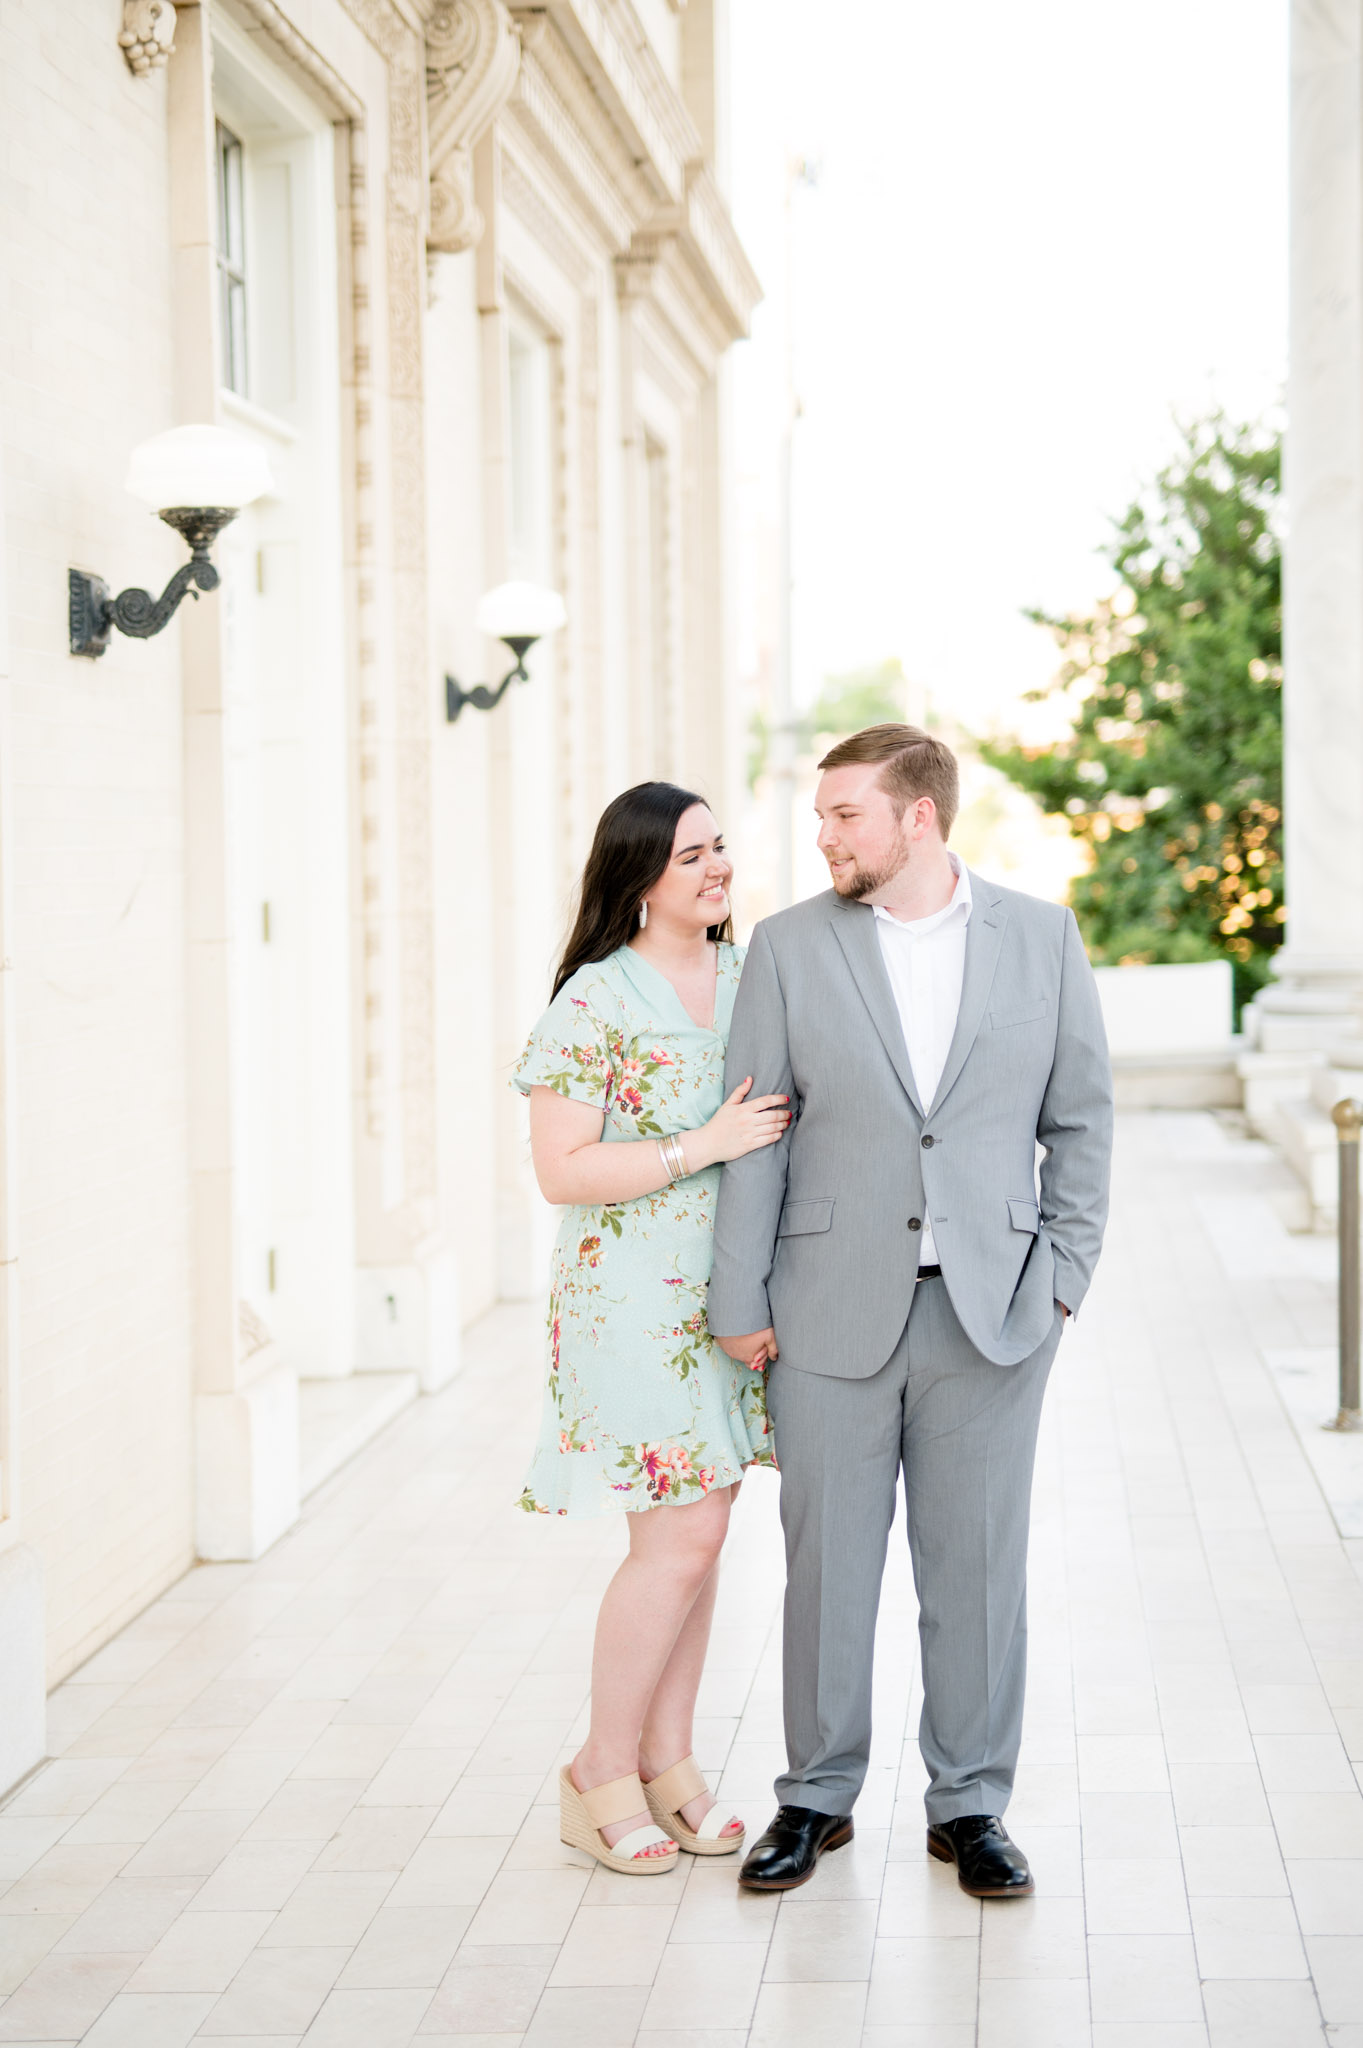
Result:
94,614
473,52
480,696
147,35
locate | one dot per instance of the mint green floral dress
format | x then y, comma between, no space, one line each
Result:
642,1409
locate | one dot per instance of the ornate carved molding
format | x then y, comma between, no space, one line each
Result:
524,196
397,938
147,35
689,262
473,52
400,48
711,241
557,110
575,143
610,44
253,1332
299,55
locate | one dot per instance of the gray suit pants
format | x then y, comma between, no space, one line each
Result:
964,1431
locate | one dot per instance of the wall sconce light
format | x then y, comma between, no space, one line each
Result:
518,614
197,479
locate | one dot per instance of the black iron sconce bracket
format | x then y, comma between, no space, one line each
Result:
480,696
94,614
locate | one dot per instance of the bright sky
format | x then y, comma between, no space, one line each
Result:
1039,232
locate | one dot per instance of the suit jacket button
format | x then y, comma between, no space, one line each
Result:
915,1223
927,1142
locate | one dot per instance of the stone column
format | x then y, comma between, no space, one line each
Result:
23,1647
1318,995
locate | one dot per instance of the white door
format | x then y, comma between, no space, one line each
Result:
286,719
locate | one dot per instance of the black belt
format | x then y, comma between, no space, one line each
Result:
929,1272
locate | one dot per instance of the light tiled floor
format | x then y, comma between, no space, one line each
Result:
312,1799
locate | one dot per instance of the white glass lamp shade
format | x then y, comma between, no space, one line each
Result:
520,611
198,466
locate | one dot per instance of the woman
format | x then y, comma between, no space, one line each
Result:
628,1128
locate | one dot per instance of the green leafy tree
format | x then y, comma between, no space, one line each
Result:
862,697
1172,773
845,703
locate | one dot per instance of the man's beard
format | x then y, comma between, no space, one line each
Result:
863,882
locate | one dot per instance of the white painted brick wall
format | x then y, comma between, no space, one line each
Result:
104,1364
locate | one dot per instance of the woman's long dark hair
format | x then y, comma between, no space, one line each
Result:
632,847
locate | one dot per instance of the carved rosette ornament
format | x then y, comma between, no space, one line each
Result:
473,52
147,34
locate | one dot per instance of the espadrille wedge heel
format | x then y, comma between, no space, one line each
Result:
582,1815
670,1791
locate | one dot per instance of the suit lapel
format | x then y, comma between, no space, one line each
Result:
855,926
983,943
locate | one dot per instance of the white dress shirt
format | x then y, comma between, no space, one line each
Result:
925,960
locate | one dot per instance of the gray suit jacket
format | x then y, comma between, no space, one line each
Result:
819,1235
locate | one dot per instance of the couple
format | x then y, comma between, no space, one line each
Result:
885,1289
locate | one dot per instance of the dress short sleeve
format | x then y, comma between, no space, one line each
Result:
568,1049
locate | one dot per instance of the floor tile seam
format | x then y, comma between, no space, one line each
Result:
26,1784
1194,1496
1275,1392
1270,1378
1062,1567
1231,1418
772,1627
1160,1709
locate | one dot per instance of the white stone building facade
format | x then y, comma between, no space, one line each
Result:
1305,1031
272,927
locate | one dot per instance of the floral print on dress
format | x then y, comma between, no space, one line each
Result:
641,1409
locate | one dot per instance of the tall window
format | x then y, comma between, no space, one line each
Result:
528,435
657,567
231,261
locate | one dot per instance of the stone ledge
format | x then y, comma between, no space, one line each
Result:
23,1666
1308,1387
337,1418
1208,1078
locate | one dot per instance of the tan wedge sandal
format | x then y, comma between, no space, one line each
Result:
582,1815
670,1791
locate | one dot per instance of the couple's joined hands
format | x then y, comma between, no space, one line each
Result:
759,1348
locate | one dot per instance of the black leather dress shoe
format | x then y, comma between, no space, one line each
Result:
786,1855
989,1865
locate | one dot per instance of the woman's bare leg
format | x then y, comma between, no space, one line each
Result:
672,1555
668,1731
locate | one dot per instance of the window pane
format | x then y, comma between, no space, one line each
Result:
234,336
231,261
231,237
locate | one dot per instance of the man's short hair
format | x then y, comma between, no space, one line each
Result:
915,765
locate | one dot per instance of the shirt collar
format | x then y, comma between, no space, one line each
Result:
961,905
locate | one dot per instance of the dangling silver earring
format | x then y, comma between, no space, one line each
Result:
643,915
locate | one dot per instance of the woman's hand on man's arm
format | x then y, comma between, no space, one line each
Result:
572,1164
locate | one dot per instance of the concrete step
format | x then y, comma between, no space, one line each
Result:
1208,1078
1310,1146
337,1418
1272,1079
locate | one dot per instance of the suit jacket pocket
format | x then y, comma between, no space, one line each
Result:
800,1218
1022,1013
1024,1215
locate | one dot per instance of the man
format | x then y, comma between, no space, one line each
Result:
892,1258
